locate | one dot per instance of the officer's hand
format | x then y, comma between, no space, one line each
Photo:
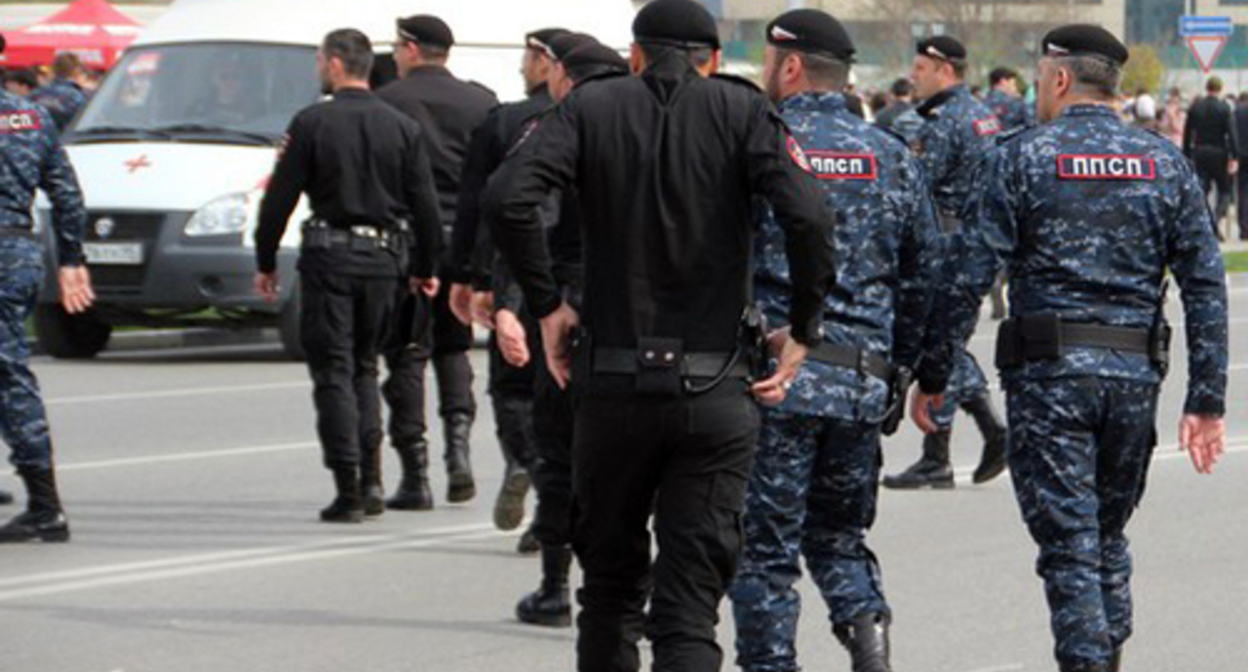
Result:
770,392
266,286
1204,439
921,406
460,298
1233,167
76,292
513,341
427,286
557,329
483,309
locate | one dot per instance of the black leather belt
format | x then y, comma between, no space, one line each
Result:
626,362
854,358
1129,339
358,236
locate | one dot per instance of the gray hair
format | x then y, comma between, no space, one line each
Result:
825,72
1092,75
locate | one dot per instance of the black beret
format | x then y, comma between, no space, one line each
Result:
942,47
676,23
812,31
426,29
541,39
1084,40
563,45
593,59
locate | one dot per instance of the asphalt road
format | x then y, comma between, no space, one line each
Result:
192,482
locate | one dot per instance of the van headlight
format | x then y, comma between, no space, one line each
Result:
220,217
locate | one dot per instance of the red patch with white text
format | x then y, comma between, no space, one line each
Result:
16,121
1106,167
799,155
842,165
989,126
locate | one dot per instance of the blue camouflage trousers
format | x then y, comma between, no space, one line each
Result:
1079,454
966,382
812,493
23,422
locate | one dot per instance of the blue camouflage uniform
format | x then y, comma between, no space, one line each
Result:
1011,111
1085,214
62,99
31,157
958,132
813,487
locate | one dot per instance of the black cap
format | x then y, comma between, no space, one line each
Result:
540,39
562,45
676,23
811,31
1084,40
426,29
942,47
590,60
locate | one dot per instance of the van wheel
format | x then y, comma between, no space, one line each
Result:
66,336
288,326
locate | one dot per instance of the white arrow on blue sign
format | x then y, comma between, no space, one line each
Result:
1199,26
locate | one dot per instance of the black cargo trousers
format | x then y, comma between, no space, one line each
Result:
686,460
344,322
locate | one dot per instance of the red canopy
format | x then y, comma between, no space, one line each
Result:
90,28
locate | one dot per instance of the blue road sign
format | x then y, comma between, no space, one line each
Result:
1200,26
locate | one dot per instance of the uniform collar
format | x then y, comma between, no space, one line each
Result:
352,93
539,90
821,101
429,70
930,105
1089,110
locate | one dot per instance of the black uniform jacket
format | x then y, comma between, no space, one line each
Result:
1210,126
361,162
665,167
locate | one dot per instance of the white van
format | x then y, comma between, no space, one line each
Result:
175,149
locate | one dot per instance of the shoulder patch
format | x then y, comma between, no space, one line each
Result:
830,165
17,121
1106,167
738,80
798,155
987,126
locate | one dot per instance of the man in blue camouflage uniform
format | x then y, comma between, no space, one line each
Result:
1086,214
958,132
1004,100
812,491
31,157
63,97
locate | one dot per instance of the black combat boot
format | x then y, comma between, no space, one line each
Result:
992,463
866,639
550,605
931,471
460,487
6,497
514,417
414,493
348,506
371,490
1115,663
43,518
528,543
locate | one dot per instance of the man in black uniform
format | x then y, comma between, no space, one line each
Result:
665,166
366,172
1211,142
448,110
472,260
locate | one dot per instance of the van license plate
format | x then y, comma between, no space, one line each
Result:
114,254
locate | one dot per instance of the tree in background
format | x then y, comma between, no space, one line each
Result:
1144,70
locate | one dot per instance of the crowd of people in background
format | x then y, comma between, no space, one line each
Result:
62,88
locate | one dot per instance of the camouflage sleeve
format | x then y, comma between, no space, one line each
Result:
1196,262
69,215
918,268
936,150
975,255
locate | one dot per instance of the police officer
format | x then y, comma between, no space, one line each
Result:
957,133
472,262
1211,141
552,407
1004,99
448,110
366,172
1087,214
31,157
64,96
813,488
665,166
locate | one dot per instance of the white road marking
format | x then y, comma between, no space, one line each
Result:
181,457
188,392
54,583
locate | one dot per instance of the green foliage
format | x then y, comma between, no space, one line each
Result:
1144,70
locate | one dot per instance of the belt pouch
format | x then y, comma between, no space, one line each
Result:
659,366
1041,336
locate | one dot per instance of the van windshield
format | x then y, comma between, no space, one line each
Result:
218,92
